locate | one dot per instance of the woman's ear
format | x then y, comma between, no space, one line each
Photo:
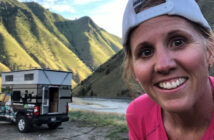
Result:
210,59
210,55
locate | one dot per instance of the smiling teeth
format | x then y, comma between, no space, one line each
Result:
172,84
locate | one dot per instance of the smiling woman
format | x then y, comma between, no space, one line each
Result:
168,46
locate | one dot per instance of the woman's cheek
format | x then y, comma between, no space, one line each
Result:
195,60
142,72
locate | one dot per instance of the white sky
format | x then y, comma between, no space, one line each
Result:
105,13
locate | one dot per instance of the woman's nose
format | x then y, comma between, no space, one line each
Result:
165,63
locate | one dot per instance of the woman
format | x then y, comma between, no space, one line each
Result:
168,46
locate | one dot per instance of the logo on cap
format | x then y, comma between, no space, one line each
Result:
140,5
137,4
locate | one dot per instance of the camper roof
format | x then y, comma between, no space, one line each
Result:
38,69
37,76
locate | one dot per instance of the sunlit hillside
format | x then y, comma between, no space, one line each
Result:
33,37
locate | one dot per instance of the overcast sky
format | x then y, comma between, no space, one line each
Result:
105,13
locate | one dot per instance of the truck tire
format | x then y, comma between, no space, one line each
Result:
54,125
23,124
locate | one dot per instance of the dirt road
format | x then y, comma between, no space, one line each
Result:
67,131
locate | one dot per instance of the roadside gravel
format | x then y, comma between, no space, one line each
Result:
67,131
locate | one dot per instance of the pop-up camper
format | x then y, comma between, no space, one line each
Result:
35,97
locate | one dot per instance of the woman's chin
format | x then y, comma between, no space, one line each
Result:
176,107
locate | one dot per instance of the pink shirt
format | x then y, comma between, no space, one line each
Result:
145,121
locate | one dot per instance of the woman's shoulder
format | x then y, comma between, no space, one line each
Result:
142,104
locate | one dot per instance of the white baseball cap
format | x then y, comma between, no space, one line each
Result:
188,9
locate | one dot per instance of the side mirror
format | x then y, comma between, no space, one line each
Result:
16,96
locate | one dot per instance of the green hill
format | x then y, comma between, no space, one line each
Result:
208,10
92,44
33,37
106,81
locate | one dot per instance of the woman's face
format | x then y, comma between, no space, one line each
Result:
170,61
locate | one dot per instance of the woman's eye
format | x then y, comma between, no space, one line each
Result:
177,43
146,52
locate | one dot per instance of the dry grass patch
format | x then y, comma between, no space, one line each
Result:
113,120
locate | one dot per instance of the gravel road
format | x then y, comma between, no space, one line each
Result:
67,131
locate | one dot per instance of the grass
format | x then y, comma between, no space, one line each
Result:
112,120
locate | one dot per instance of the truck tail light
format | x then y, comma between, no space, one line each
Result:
36,110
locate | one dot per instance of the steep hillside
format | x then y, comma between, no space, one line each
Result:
89,42
92,44
107,80
208,10
33,37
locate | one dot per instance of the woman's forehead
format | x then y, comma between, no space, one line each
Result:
163,24
160,28
176,21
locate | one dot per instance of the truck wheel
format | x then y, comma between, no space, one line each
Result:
23,124
54,125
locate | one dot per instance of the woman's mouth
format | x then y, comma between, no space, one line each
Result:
171,84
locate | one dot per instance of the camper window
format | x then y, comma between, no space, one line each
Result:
9,78
16,96
29,77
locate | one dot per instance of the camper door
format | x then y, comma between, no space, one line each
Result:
64,99
45,100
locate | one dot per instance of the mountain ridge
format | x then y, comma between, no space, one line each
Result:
33,37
